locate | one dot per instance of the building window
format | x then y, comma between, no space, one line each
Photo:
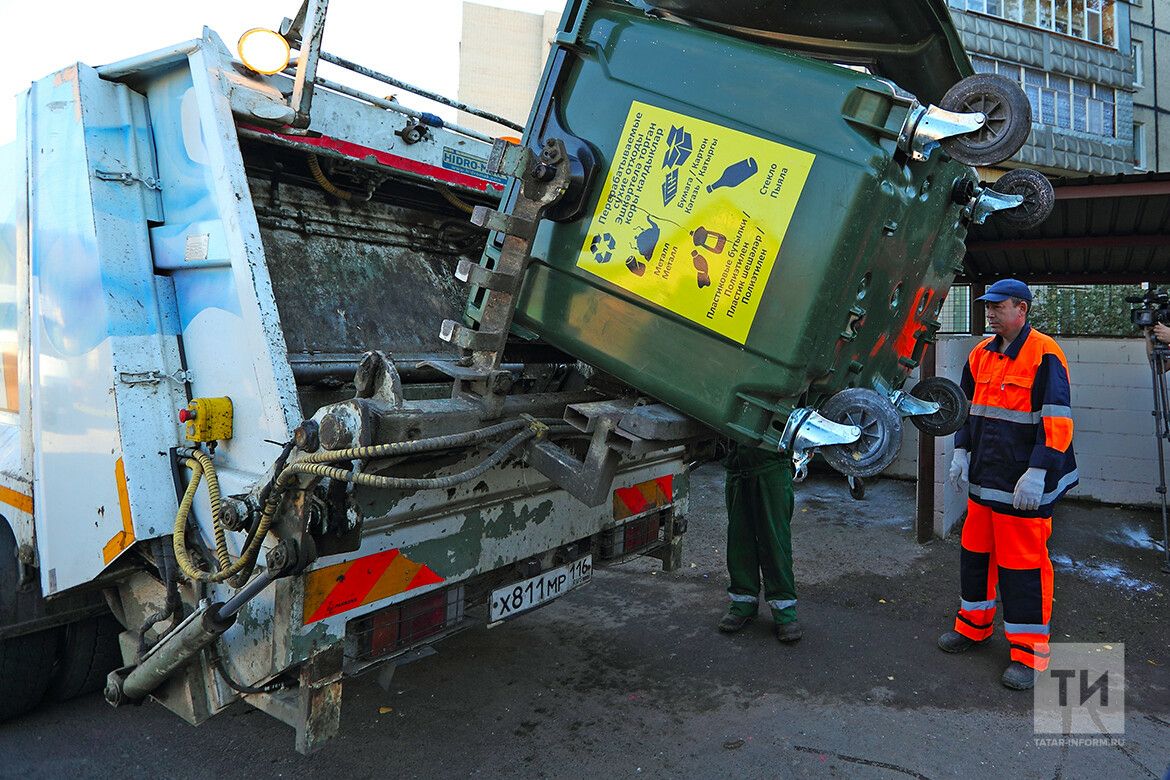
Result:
1058,100
1139,147
1138,65
1089,20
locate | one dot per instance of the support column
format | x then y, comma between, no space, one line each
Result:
924,517
978,310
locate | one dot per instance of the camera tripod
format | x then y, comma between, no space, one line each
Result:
1159,363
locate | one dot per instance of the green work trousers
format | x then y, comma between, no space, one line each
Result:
759,531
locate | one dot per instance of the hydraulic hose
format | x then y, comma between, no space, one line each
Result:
394,449
165,560
202,468
412,483
321,179
217,660
313,464
454,199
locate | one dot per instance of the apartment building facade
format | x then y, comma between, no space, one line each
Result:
1074,61
1150,45
1090,68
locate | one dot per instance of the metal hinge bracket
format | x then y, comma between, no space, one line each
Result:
153,377
126,178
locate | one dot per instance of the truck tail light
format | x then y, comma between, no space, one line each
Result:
399,626
633,536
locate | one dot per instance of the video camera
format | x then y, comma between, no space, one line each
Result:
1154,308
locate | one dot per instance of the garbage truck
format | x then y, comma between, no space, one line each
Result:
239,461
301,380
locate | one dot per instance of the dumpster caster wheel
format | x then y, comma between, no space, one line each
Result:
1009,119
856,487
953,406
881,432
1038,195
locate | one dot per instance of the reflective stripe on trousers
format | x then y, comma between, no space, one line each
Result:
1007,555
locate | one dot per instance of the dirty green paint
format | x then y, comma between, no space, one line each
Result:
682,485
455,555
303,645
250,624
512,522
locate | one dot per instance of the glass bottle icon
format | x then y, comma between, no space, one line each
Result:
736,174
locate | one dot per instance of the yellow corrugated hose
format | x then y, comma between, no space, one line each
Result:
454,199
203,469
323,180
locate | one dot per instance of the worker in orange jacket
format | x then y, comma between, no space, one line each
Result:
1015,452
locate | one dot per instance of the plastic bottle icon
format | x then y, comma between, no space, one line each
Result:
703,278
709,239
736,174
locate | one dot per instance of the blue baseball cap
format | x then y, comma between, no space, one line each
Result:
1006,288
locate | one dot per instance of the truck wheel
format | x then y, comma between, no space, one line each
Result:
88,652
1039,198
881,432
953,406
1009,119
26,667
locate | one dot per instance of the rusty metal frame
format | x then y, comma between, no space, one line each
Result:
544,180
1133,189
313,708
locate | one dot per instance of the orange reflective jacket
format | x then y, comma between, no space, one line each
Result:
1020,418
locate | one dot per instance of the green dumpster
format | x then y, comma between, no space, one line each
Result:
758,237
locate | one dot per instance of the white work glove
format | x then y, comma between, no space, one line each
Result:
1029,490
958,473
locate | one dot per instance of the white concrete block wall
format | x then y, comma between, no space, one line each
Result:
1112,399
501,58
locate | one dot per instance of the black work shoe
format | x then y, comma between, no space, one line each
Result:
789,632
954,642
731,622
1018,677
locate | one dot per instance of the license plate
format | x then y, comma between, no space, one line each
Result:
522,596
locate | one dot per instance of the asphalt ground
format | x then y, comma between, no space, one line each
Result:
627,677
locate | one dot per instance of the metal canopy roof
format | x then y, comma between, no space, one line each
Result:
1103,230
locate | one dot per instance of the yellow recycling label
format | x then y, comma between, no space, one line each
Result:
692,216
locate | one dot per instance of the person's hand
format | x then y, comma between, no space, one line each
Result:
1029,489
1162,333
958,472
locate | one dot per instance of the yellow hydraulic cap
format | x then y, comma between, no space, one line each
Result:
208,419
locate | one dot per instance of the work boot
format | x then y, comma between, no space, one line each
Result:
954,642
789,632
1018,677
731,622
